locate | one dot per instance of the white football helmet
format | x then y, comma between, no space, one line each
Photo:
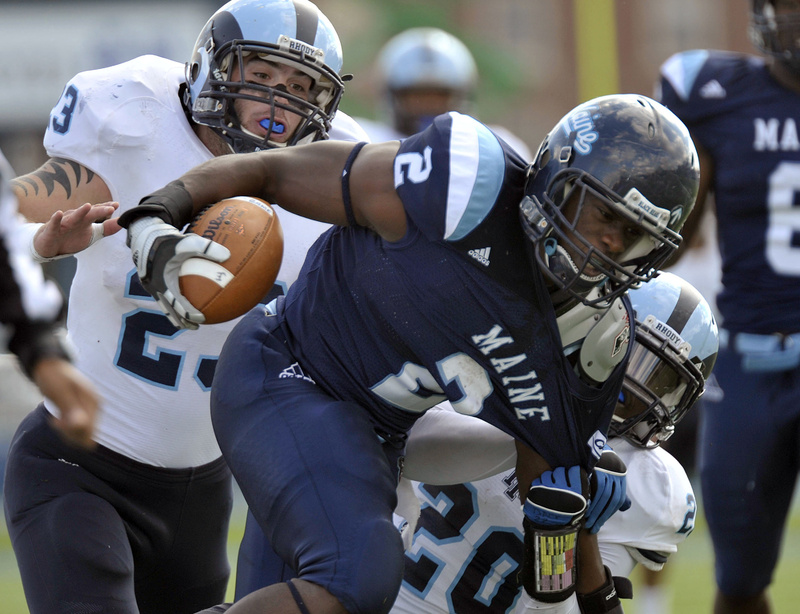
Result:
676,341
290,32
425,59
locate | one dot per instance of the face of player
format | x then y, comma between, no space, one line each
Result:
255,116
415,108
599,226
629,405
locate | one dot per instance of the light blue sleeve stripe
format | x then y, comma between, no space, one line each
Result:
681,70
477,167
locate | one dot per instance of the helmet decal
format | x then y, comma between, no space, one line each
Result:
582,126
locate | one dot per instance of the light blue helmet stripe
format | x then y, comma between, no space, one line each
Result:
475,181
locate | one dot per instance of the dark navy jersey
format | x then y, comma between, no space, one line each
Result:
454,310
749,125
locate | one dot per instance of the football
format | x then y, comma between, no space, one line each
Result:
250,229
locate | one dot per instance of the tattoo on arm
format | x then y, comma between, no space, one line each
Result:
51,173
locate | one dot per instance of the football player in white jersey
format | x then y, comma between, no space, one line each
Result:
467,545
141,523
422,73
30,314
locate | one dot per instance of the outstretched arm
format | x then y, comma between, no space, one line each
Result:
305,180
69,205
317,181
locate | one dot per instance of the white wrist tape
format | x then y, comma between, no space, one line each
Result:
30,229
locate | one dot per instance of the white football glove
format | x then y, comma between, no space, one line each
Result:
158,251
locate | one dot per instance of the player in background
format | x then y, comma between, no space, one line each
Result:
742,113
467,549
141,523
422,73
30,314
699,264
442,280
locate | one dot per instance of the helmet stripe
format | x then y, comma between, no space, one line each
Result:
307,20
688,300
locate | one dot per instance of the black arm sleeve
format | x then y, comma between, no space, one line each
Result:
172,203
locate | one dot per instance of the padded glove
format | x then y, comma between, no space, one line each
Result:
556,499
608,483
159,250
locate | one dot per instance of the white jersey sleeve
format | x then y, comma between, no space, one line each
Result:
379,132
517,144
345,128
445,447
663,506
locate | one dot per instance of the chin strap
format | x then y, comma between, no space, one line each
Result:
564,268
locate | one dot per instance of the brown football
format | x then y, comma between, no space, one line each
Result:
250,229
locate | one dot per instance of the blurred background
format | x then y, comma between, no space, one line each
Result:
536,60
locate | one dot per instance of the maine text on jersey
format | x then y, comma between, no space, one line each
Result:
771,136
515,385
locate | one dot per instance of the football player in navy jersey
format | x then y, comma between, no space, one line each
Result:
442,280
742,111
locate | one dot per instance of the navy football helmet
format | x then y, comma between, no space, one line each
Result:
776,35
638,159
420,59
676,341
290,32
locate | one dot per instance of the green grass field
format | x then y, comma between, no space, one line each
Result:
690,573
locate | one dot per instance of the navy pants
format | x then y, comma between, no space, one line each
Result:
313,471
99,532
749,450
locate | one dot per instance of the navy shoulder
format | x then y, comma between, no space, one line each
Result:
699,83
452,174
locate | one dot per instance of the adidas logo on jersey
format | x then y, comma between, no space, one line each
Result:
713,89
481,255
295,370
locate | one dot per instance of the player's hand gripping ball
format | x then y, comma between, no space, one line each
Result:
250,229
